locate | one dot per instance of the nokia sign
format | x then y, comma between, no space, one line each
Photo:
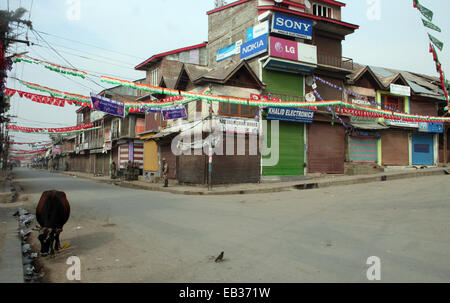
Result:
292,26
254,47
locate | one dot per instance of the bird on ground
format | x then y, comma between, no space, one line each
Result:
220,257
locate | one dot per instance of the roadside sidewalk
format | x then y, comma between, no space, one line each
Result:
240,189
11,268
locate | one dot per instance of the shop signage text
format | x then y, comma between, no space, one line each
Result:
290,114
401,90
296,51
437,128
402,123
258,30
229,51
292,26
254,47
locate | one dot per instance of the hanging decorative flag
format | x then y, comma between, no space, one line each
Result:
63,130
431,25
38,98
425,11
436,42
51,66
234,100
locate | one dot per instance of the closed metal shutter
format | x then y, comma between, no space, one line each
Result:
326,149
235,169
395,147
363,149
192,169
291,150
423,149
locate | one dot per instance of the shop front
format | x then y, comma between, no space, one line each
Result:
424,144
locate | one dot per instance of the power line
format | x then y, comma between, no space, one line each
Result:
84,57
89,79
91,45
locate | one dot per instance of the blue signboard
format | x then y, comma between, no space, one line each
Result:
290,114
174,113
292,26
254,47
258,30
437,128
108,106
227,52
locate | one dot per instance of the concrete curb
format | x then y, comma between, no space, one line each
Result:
11,268
300,185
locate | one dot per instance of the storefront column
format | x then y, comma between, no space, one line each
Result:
445,144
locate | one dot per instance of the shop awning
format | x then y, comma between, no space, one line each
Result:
369,126
289,66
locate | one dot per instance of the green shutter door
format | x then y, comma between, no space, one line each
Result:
292,150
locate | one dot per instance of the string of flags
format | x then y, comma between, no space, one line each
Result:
434,42
365,111
51,66
50,131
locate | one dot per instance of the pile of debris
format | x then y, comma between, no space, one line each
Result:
29,258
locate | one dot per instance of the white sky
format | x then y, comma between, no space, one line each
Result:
393,38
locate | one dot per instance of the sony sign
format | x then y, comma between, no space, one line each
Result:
292,26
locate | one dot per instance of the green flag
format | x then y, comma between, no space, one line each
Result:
436,42
431,25
425,12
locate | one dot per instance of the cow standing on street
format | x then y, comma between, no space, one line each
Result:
52,213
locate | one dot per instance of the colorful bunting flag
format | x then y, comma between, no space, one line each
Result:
431,25
436,42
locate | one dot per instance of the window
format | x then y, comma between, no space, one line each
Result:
154,77
238,110
322,11
393,103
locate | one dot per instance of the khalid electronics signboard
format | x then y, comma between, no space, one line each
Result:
292,26
254,47
292,50
290,114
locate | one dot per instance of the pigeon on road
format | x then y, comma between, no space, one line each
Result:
219,258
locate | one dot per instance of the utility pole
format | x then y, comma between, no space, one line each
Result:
210,156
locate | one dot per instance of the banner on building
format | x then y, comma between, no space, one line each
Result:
401,90
258,30
108,106
437,128
290,114
229,51
237,126
292,26
254,47
174,113
292,50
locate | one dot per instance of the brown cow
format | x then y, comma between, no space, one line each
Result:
52,213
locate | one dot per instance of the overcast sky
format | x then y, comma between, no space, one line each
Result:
117,35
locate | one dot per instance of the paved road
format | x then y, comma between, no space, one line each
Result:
322,235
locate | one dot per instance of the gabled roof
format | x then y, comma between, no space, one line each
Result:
155,58
224,71
421,85
362,71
